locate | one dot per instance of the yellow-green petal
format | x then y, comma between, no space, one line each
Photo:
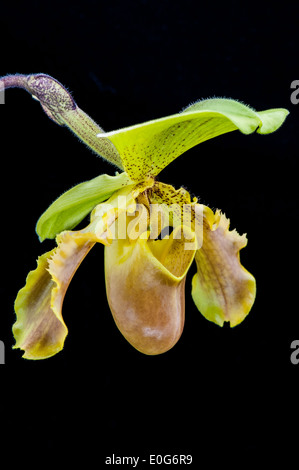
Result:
222,289
147,148
72,206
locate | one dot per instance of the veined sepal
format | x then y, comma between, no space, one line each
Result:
149,147
222,289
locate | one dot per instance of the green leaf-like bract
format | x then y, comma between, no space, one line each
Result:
73,205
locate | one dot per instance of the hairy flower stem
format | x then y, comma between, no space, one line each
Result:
14,81
60,106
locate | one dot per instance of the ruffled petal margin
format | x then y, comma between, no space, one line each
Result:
222,289
40,330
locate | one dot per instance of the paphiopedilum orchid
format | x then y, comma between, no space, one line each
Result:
145,263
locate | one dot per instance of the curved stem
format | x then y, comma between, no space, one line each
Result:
12,81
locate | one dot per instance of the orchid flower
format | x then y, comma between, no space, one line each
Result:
151,231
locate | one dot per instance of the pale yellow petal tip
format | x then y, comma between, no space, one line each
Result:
271,120
36,331
211,307
222,222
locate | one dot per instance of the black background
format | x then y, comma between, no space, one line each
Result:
220,391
